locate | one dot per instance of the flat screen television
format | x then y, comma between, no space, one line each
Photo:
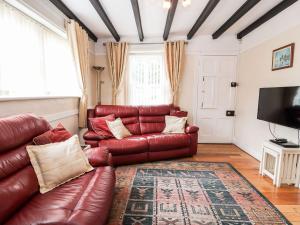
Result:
280,105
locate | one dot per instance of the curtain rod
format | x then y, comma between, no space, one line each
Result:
147,43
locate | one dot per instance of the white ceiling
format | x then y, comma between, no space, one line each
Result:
154,17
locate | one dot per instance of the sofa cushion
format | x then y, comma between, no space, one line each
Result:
161,142
100,127
152,118
85,200
58,163
129,145
58,134
128,114
118,129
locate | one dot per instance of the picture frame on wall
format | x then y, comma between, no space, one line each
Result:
283,57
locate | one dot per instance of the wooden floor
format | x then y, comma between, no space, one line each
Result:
285,198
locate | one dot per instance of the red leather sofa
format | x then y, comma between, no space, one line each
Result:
147,143
82,201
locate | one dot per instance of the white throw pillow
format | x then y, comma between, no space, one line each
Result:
175,125
118,129
58,163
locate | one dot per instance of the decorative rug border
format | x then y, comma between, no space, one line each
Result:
250,184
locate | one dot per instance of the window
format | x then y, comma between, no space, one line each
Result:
34,60
147,80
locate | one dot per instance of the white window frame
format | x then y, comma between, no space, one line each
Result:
35,15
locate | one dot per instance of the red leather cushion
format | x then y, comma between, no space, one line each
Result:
18,130
98,156
128,114
161,142
57,134
152,118
129,145
179,113
100,127
16,190
154,110
84,200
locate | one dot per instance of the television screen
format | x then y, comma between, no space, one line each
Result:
280,105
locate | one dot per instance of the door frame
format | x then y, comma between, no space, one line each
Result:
196,83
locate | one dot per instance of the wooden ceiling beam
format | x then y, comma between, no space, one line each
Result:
269,15
101,12
203,16
249,4
170,18
68,13
137,17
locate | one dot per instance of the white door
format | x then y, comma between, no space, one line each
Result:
215,97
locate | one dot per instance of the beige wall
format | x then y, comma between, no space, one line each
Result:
255,72
52,108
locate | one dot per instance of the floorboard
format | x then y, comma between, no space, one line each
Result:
285,198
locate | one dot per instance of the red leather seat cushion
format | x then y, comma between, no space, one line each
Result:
57,134
129,145
161,142
85,200
100,127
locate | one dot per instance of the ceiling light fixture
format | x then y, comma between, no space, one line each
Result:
168,3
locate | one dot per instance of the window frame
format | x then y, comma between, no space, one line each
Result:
137,52
28,11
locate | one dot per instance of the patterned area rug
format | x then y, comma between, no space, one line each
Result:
190,193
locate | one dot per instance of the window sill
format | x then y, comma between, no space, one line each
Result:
6,99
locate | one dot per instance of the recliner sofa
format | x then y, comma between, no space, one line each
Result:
147,143
83,201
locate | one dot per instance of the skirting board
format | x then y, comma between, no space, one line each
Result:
61,115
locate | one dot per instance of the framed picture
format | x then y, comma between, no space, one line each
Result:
283,57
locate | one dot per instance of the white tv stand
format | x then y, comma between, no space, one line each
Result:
281,164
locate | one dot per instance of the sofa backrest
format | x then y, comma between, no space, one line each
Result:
18,182
152,118
128,114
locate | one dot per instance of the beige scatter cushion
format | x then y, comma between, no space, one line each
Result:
58,163
118,129
175,125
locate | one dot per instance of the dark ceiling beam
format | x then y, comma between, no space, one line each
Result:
203,16
68,13
249,4
101,12
137,17
170,18
269,15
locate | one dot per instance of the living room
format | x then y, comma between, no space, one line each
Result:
149,112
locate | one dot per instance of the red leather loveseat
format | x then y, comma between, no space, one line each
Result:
147,143
82,201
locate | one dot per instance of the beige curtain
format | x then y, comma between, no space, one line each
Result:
174,56
117,54
79,42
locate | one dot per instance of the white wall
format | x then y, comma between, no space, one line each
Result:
255,72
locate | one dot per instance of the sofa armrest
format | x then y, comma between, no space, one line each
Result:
91,135
191,129
99,156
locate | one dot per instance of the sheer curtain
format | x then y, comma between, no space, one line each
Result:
34,61
147,82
